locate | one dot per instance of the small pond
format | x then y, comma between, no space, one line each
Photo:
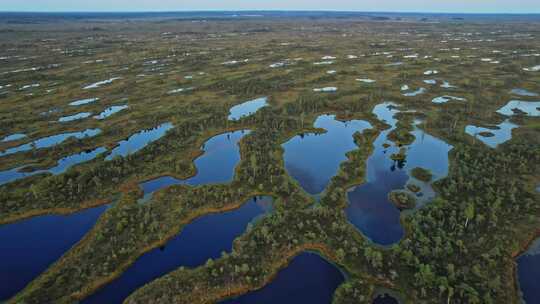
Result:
535,68
313,159
447,98
447,85
100,83
139,140
204,238
50,141
110,111
307,279
493,136
247,108
179,90
415,93
523,92
13,137
62,166
365,80
81,102
14,174
325,90
30,246
75,117
529,108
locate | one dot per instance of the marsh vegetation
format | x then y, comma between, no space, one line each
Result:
400,155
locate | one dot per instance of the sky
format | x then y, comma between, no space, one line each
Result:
444,6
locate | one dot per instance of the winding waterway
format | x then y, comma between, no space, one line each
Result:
204,238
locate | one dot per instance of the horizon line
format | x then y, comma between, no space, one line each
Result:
265,10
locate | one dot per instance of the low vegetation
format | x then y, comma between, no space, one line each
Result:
458,248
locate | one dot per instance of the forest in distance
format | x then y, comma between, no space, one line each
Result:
269,157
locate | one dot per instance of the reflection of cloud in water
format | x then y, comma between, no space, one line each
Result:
370,210
308,180
264,202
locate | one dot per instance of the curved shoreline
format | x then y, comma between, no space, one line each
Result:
127,184
513,264
123,267
276,268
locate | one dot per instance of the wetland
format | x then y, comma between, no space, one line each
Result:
318,157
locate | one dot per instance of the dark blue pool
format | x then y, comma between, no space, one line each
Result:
30,246
528,268
313,159
205,238
308,279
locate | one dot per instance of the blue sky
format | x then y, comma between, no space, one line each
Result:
465,6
